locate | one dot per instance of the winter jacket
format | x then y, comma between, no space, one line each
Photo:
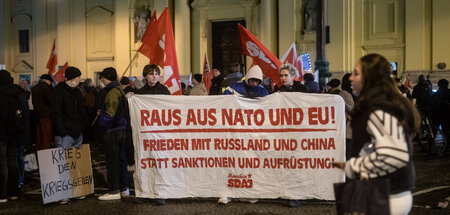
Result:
199,90
296,87
157,89
381,147
42,95
313,87
67,111
8,92
113,111
216,85
247,91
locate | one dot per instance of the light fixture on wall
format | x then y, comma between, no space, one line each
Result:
441,65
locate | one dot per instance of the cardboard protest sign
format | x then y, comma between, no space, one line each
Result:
65,173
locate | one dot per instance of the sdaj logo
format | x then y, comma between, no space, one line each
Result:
240,181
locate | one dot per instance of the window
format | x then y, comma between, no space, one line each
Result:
24,41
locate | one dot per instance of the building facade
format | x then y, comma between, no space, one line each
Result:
94,34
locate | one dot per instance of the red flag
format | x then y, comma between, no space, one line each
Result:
408,82
290,56
261,55
149,25
52,60
159,46
59,76
207,76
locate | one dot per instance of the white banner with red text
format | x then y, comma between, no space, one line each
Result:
279,146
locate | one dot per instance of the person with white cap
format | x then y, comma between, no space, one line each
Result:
251,87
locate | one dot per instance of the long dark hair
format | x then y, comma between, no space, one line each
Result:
376,74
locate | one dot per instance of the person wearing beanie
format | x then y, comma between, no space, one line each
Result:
287,75
251,87
333,86
14,130
199,88
112,119
72,73
67,113
125,85
151,75
42,95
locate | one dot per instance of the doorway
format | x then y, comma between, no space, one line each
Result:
226,46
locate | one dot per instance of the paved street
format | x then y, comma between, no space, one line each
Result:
432,195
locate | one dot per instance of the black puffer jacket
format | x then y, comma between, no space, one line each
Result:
296,87
67,111
157,89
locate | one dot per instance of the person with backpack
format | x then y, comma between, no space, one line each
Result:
112,120
14,119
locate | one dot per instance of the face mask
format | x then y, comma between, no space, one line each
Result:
102,85
74,84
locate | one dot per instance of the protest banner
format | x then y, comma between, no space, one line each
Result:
65,173
279,146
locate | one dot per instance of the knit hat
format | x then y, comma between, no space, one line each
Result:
109,73
5,77
47,77
254,72
334,83
124,81
72,72
198,77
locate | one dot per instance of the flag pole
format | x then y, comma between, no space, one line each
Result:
129,65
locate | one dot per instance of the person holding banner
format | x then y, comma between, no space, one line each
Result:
383,122
67,113
151,74
251,87
112,120
287,75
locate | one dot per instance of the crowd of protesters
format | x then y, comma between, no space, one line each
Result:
75,112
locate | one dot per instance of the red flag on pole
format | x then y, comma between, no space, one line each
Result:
159,46
207,76
408,81
149,26
290,56
261,55
52,60
59,76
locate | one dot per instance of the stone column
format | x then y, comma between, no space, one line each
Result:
321,63
182,34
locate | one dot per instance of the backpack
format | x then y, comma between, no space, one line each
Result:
16,122
119,119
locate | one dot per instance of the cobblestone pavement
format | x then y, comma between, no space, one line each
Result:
431,196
